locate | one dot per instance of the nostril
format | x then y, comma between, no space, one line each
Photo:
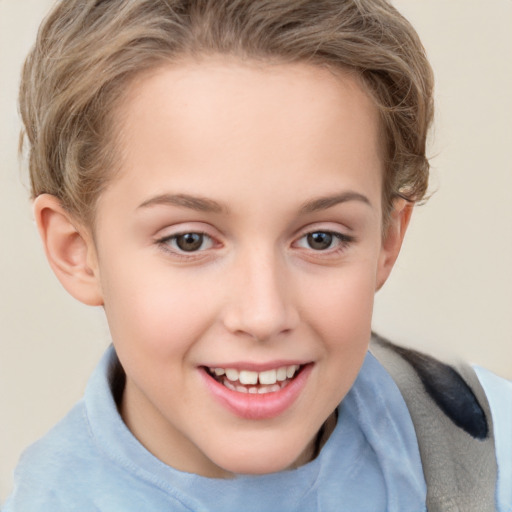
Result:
261,324
260,302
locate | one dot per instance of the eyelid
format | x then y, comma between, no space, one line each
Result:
170,230
175,236
340,236
173,232
335,228
344,240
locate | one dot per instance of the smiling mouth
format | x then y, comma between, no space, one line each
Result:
252,382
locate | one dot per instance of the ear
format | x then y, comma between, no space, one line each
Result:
392,239
69,249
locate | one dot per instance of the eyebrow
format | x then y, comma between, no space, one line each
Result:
201,204
323,203
204,204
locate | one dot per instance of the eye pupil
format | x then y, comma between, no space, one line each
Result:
189,241
320,240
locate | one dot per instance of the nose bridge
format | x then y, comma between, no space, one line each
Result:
260,302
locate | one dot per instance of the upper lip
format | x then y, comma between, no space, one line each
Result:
258,367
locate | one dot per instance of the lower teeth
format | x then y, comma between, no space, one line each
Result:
261,390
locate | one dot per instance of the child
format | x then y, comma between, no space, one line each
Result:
232,181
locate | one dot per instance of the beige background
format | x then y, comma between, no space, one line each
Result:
451,292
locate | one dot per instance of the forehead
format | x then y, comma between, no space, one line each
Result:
204,125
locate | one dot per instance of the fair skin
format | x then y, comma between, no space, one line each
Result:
275,173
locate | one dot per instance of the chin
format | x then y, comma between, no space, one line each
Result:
264,461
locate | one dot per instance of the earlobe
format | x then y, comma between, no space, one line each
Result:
70,251
392,239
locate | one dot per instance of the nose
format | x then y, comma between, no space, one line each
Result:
261,303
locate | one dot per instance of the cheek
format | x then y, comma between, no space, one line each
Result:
341,307
340,313
156,312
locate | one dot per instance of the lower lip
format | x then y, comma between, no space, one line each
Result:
258,407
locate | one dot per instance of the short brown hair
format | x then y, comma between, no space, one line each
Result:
88,51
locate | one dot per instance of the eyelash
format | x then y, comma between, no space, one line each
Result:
167,243
342,241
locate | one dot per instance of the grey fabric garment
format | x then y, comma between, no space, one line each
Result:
453,425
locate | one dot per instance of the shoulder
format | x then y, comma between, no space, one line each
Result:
66,471
463,419
451,391
45,467
499,395
71,470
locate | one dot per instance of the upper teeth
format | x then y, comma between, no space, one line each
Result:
267,377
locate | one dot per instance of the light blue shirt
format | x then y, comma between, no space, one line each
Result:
499,395
91,462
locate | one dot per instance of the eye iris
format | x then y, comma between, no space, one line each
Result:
190,241
320,240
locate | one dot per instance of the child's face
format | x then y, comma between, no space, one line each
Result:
243,233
